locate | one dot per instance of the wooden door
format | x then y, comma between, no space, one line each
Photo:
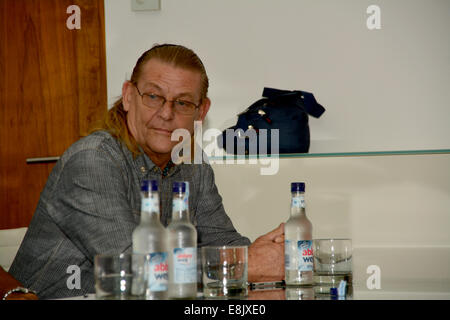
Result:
52,88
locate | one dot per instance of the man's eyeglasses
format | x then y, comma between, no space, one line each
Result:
155,101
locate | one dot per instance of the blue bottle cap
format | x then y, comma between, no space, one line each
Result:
297,187
334,292
179,187
149,185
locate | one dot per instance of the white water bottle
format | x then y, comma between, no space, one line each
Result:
182,246
298,248
150,238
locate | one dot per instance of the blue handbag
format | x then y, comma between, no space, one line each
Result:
284,110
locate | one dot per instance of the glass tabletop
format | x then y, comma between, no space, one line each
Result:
391,289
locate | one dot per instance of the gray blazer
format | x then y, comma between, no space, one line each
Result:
91,204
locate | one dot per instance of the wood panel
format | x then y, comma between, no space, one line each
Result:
52,87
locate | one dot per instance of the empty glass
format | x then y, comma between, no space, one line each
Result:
332,263
120,276
225,272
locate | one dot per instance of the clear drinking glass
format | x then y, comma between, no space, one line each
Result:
332,264
225,272
121,276
299,293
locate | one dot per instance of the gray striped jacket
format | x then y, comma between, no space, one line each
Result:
91,204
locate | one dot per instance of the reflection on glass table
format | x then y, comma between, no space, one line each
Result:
391,289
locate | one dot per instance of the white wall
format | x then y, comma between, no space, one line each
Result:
387,200
389,86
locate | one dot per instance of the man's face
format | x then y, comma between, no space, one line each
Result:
152,128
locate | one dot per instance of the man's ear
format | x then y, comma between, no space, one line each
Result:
203,109
127,95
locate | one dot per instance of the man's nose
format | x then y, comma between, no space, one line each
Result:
166,112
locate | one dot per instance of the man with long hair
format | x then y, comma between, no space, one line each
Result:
91,202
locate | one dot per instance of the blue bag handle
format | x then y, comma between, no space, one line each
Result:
312,107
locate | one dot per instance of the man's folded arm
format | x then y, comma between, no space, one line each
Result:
91,204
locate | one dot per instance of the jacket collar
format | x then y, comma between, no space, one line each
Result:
143,165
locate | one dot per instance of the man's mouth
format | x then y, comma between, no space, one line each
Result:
163,131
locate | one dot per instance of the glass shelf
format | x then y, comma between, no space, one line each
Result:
335,154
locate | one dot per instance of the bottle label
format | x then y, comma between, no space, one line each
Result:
299,255
150,205
185,265
298,202
179,205
158,275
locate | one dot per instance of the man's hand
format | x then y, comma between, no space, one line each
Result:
266,257
8,282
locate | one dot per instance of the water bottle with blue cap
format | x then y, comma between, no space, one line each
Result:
298,247
150,238
182,246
